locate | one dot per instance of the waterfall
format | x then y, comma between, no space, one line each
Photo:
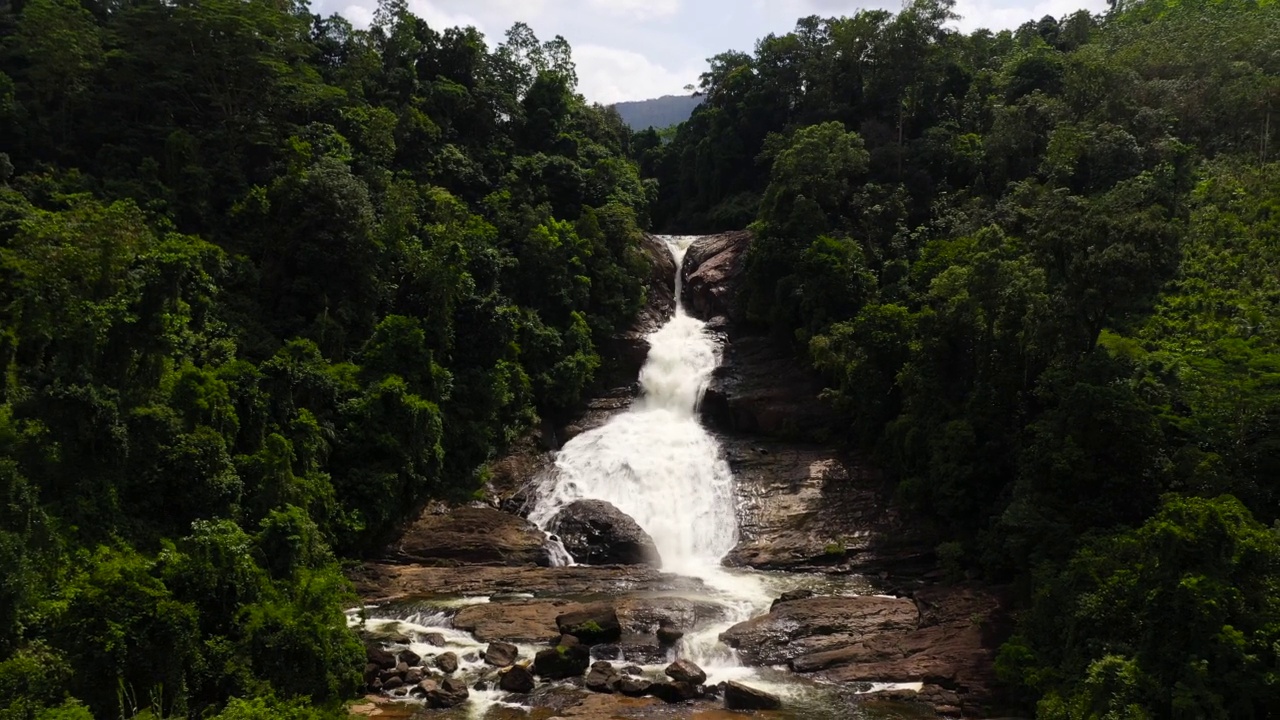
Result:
655,462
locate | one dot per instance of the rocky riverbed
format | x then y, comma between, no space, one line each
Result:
830,607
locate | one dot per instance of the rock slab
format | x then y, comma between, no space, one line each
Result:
471,536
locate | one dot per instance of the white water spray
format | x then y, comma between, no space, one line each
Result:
655,462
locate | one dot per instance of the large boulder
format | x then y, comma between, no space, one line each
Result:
561,662
446,693
517,679
812,625
713,268
686,671
473,536
591,624
597,533
500,654
603,678
743,697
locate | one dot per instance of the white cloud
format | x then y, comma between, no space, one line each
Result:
638,9
607,75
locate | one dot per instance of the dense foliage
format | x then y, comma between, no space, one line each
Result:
267,284
1039,271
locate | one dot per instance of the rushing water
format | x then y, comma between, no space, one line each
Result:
655,462
658,464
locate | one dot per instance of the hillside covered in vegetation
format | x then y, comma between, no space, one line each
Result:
1039,272
269,283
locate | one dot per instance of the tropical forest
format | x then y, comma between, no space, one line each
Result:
359,369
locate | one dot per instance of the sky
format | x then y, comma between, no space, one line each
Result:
640,49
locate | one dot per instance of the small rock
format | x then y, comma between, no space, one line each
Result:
385,675
568,641
371,672
602,678
669,634
742,697
414,676
606,652
410,658
435,638
561,662
447,662
480,686
686,671
381,658
500,654
448,693
673,692
392,683
471,657
517,679
633,686
402,667
791,595
633,670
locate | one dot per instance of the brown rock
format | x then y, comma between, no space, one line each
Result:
561,662
602,678
500,654
522,621
517,679
471,535
633,686
597,533
686,671
669,634
713,267
449,692
591,624
383,582
447,662
673,692
743,697
817,624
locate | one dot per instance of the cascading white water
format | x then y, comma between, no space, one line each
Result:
656,462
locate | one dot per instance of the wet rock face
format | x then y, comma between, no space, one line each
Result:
471,535
761,389
626,352
597,533
713,266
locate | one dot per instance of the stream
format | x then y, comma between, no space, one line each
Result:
657,463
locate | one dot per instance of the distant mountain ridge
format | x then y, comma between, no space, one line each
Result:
658,113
